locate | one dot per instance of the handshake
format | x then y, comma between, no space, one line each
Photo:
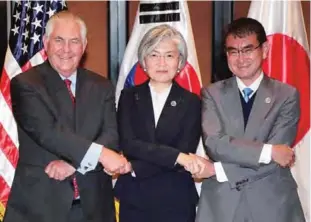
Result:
112,162
115,163
199,167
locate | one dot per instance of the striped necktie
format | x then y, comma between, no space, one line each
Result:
246,93
74,180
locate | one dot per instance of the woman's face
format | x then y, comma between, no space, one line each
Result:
162,63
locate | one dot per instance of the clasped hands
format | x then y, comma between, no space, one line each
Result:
283,155
112,162
199,167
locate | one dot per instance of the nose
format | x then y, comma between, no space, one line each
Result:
162,60
66,46
240,57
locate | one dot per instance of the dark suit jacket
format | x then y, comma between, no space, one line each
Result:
159,183
50,128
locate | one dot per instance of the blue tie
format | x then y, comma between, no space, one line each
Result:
246,93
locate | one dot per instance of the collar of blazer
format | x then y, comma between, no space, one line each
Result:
173,107
52,78
230,102
175,97
57,96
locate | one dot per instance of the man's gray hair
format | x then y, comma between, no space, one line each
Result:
65,15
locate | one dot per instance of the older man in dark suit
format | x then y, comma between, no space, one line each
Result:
67,134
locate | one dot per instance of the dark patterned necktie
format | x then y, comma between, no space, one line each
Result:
74,180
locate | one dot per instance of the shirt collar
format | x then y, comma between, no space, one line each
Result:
72,78
254,86
165,92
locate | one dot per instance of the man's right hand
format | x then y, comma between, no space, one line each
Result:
112,161
59,170
283,155
207,167
190,163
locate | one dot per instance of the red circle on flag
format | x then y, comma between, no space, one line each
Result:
289,62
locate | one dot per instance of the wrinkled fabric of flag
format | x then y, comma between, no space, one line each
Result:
289,62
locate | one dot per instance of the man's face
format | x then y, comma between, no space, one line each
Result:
245,56
65,46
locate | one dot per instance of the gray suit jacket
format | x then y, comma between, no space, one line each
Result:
270,190
51,128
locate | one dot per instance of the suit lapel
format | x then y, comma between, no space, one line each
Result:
143,100
83,88
263,102
173,108
58,93
232,107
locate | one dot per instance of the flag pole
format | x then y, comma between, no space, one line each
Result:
117,14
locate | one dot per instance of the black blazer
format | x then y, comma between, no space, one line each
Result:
159,182
50,128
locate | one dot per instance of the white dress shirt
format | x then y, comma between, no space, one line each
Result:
158,101
91,157
265,155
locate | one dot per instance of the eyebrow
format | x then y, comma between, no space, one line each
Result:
245,47
59,37
75,39
164,52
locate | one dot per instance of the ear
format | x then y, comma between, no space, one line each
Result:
179,65
265,49
143,66
84,45
45,42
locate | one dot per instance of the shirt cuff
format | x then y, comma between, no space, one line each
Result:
265,156
220,172
90,159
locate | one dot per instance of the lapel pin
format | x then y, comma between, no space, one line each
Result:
173,103
136,96
268,100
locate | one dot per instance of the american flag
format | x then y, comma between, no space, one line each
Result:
24,51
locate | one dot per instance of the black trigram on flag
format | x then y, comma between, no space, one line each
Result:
159,12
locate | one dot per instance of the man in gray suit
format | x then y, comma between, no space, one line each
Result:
249,123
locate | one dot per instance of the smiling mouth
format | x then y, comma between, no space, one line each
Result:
243,67
161,71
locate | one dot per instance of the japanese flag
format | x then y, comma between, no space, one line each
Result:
289,62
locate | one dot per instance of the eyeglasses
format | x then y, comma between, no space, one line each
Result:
247,51
155,57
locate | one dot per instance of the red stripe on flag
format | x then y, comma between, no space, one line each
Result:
8,147
26,66
5,87
5,191
293,68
